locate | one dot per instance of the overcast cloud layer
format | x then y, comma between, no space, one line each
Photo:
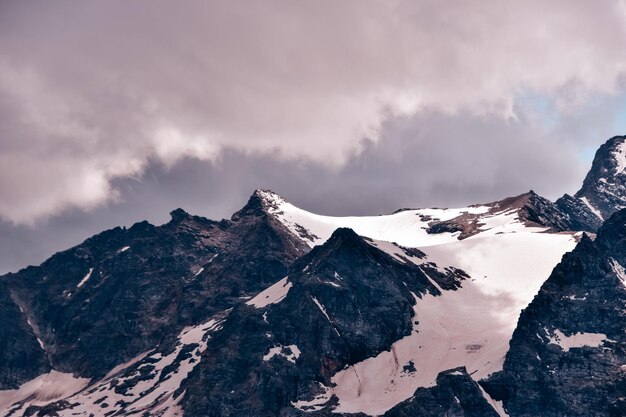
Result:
114,111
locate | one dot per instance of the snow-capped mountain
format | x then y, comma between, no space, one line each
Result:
280,311
604,189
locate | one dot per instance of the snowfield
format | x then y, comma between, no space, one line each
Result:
507,261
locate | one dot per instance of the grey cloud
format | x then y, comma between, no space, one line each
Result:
92,93
431,159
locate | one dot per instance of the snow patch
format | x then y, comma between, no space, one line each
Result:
317,403
407,228
329,283
272,295
574,298
154,396
496,405
45,388
152,381
576,340
290,352
323,310
620,158
508,262
85,278
592,208
619,271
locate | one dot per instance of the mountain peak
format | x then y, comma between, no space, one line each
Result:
268,196
260,203
608,164
179,214
344,246
604,189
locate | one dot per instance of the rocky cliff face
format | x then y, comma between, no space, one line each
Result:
455,395
245,317
125,291
531,209
604,189
21,356
567,354
343,302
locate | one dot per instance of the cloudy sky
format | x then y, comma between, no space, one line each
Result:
115,111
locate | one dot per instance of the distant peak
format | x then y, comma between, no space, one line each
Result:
616,141
517,201
268,196
179,214
343,234
604,189
345,245
261,202
614,156
609,160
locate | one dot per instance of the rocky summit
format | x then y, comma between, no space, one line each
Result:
508,308
604,189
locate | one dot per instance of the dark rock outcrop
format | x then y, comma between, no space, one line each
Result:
346,301
126,291
567,353
530,208
455,395
21,357
604,189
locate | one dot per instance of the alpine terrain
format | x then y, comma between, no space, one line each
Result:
508,308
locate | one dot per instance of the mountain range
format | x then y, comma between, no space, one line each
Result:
510,308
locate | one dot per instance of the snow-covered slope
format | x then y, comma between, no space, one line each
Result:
464,323
148,384
507,260
406,228
280,311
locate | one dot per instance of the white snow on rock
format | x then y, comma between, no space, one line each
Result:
40,391
271,295
576,340
468,327
322,309
152,396
290,352
619,271
496,405
574,298
85,278
316,403
507,261
592,208
620,158
407,228
325,313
